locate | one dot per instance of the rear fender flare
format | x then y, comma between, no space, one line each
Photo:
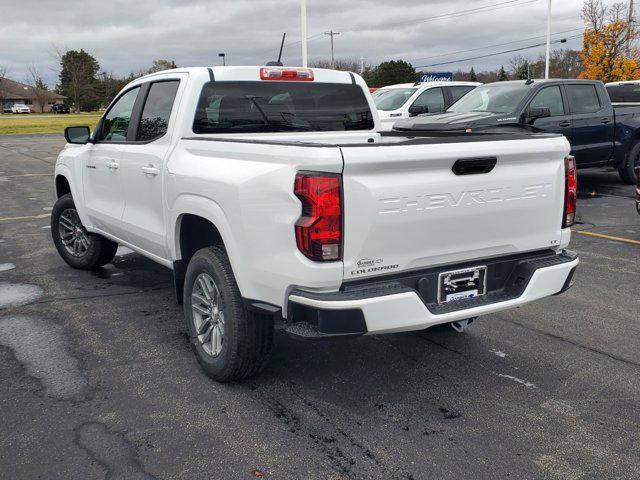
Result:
209,210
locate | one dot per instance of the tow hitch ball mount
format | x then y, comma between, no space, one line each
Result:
461,325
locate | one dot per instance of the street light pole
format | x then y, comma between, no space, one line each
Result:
546,64
303,30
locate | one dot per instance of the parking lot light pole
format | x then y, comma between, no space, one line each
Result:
546,65
224,59
303,30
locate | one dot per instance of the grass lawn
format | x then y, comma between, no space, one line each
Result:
44,123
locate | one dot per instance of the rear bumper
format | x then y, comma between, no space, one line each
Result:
402,303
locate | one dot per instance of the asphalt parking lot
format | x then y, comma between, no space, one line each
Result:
98,380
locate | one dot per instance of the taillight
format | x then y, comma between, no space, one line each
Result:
570,191
287,74
319,229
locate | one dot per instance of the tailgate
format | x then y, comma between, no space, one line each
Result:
405,208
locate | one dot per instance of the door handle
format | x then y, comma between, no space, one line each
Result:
605,120
112,165
564,124
150,170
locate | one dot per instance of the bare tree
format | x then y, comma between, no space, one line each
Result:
41,91
515,64
593,14
345,64
4,72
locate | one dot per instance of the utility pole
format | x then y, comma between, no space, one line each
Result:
331,33
546,64
303,29
630,28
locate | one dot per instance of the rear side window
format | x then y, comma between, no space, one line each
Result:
625,93
251,107
458,92
583,98
157,110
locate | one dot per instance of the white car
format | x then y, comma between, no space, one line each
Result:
275,199
20,108
405,100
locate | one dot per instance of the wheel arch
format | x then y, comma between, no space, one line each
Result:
198,223
62,185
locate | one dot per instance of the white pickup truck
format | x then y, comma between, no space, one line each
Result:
274,198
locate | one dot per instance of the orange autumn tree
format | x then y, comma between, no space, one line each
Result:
605,55
608,52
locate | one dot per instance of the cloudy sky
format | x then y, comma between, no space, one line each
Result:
127,35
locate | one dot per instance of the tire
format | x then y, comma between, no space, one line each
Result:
93,250
230,342
627,172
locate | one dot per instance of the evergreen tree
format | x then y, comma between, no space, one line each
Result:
78,79
472,75
390,73
502,74
522,73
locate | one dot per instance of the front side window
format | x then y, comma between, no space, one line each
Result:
388,99
432,98
492,98
551,98
251,107
583,98
116,121
157,110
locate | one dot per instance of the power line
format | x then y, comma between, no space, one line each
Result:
459,13
494,54
492,46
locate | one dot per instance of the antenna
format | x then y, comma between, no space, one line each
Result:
529,79
278,63
281,47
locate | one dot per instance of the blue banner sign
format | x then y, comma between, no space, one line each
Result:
436,76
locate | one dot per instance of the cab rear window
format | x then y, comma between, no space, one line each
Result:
252,107
624,93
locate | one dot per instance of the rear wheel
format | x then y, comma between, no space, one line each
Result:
627,172
229,341
79,248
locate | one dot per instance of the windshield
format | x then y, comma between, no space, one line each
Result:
392,98
491,98
250,107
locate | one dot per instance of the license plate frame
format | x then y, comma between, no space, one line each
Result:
461,284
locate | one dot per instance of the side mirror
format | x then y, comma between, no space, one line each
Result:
537,112
77,135
418,110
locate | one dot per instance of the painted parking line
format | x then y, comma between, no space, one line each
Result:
30,175
29,217
608,237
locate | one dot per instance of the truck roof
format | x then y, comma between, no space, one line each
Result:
537,81
252,73
432,84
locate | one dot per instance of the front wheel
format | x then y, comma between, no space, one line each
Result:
628,171
229,341
79,248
